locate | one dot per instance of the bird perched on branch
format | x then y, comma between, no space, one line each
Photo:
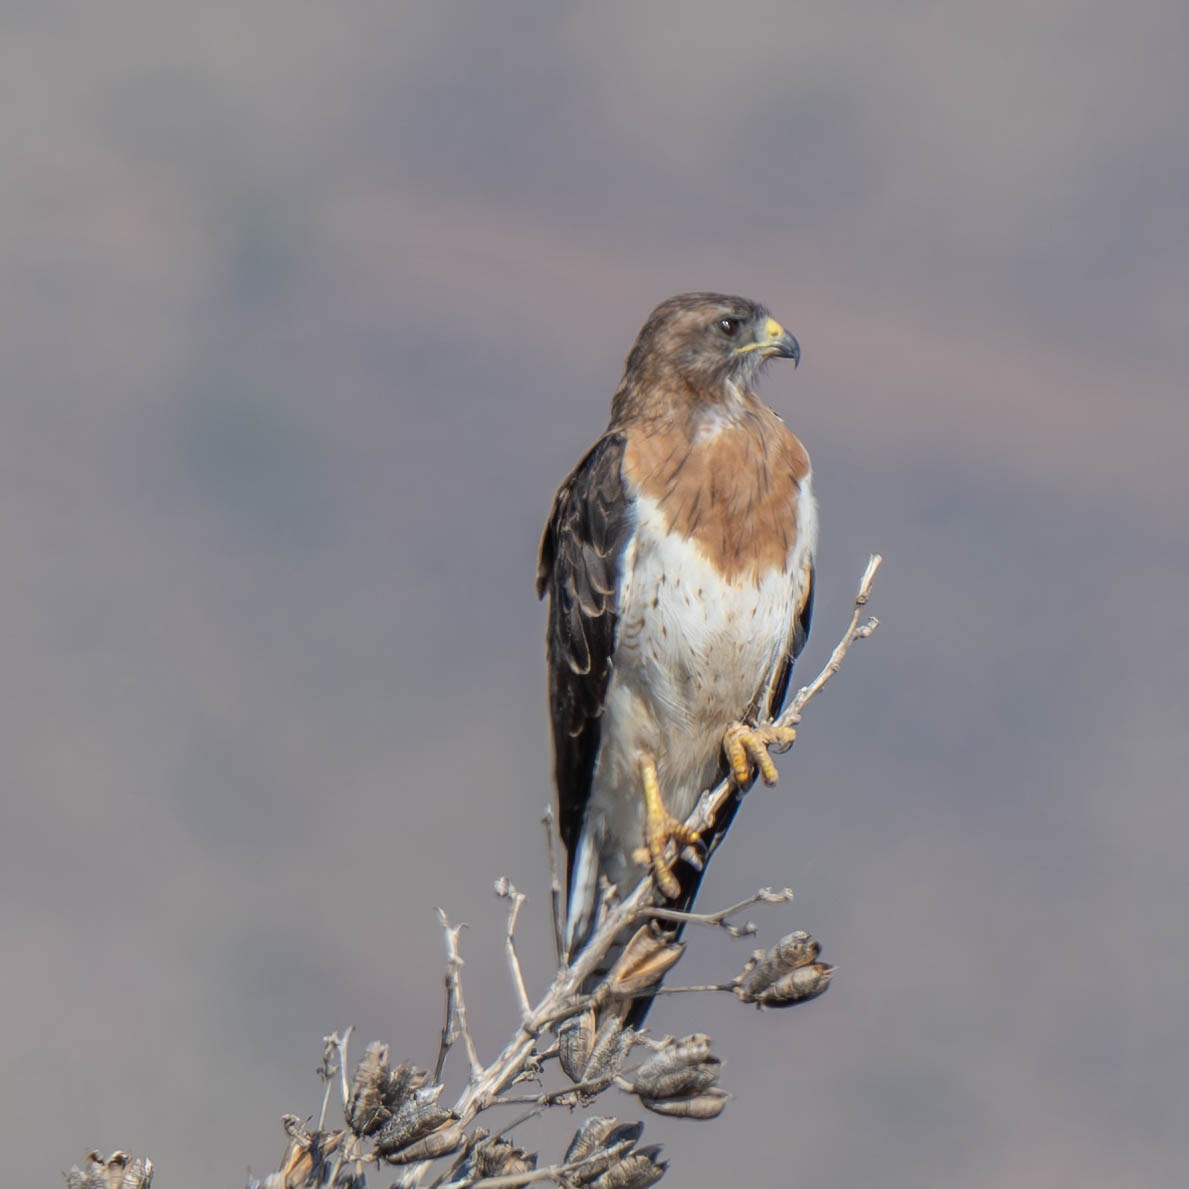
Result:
678,560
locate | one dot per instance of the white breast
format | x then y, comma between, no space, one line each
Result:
693,654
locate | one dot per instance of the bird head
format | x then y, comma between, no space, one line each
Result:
704,340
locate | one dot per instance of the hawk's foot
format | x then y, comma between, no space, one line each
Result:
661,828
748,746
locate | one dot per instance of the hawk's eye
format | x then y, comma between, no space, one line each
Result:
729,326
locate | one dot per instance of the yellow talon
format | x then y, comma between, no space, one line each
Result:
661,828
746,747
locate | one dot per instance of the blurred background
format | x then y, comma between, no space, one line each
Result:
308,308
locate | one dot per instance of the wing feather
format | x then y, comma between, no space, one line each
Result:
579,568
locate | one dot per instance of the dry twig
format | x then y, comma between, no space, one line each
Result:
718,920
555,886
506,890
456,1023
334,1060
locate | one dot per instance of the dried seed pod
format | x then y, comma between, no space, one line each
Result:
575,1041
294,1128
598,1147
706,1105
78,1178
625,1133
799,985
418,1117
689,1050
595,1133
611,1047
522,1161
645,960
790,952
636,1171
118,1171
306,1153
366,1110
438,1143
795,949
137,1172
404,1081
678,1083
683,1068
494,1157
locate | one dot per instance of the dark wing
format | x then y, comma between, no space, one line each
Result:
579,568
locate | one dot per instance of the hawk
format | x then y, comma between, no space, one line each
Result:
678,561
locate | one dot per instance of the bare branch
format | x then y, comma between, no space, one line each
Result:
697,990
327,1075
856,631
555,886
334,1060
506,890
455,1024
718,920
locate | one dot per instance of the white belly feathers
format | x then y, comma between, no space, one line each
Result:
694,653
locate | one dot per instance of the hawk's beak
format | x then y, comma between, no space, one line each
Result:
773,339
778,341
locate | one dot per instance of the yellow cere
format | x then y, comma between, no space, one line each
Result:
772,329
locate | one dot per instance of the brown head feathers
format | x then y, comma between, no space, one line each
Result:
692,347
